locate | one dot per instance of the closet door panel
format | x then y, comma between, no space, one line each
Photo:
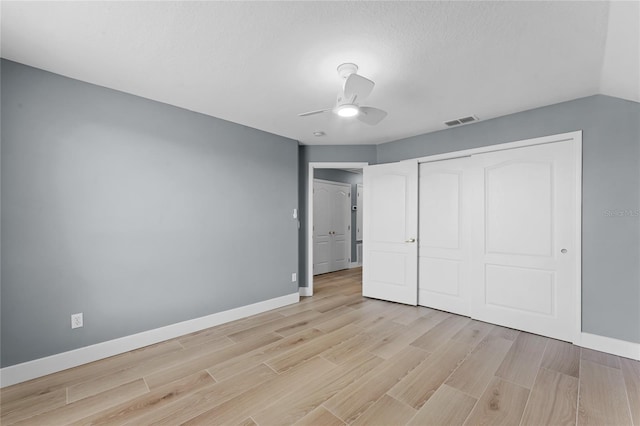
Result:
390,264
444,236
523,255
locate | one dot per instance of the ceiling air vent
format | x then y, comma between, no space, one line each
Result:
463,120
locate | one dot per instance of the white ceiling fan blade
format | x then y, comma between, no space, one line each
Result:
357,85
304,114
371,116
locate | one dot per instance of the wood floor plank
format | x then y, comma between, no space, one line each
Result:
309,350
320,417
207,360
242,362
173,359
502,403
504,332
447,406
553,400
71,413
300,318
166,361
197,402
386,411
137,407
421,383
473,332
332,302
315,322
631,371
521,364
398,340
410,314
22,409
335,322
600,357
562,357
346,350
441,333
383,314
252,321
303,305
317,391
210,336
263,396
602,396
478,369
355,399
61,380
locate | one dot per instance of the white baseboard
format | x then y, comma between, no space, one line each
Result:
354,265
41,367
305,291
613,346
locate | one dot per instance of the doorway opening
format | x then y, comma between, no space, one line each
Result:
320,170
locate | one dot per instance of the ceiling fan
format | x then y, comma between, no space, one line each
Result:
355,89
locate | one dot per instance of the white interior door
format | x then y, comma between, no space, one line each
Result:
390,220
523,254
359,194
444,250
340,226
321,228
331,226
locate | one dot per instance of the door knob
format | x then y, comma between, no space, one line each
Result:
563,251
411,240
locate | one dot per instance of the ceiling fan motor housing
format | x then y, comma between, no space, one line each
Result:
346,69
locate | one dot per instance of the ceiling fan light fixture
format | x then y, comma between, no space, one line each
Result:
347,110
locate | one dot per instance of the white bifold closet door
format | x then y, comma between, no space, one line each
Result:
390,264
445,238
497,233
524,259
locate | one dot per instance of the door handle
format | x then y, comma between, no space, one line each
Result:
411,240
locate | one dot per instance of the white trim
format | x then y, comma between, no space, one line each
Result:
58,362
310,177
578,233
610,345
305,292
576,136
354,265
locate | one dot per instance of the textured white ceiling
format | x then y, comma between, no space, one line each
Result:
261,63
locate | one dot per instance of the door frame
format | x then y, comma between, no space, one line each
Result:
576,137
308,290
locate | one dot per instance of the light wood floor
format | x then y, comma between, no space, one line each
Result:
338,358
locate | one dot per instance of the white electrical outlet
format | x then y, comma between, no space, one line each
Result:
76,320
294,277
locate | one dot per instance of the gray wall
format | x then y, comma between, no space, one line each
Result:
337,175
136,213
329,154
611,186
